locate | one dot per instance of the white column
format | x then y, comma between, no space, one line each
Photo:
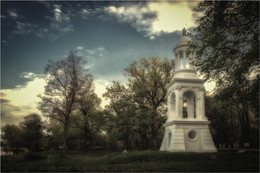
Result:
203,117
188,61
177,62
191,60
178,105
169,107
184,59
198,112
190,107
181,108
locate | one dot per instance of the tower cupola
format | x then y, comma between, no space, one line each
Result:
183,55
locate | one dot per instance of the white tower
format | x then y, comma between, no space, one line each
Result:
187,127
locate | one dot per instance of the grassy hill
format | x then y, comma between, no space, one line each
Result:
143,161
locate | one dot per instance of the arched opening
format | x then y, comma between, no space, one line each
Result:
189,105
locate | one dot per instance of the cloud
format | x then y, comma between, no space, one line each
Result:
58,22
79,48
172,16
22,100
21,27
58,15
100,89
13,13
150,18
137,15
155,18
29,75
84,13
99,51
92,56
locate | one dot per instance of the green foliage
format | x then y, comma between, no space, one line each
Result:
12,137
55,132
33,131
227,38
138,107
224,127
226,42
88,121
29,134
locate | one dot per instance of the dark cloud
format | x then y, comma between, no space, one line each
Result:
149,15
4,101
10,113
9,118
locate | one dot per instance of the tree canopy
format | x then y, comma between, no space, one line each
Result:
227,38
139,105
226,43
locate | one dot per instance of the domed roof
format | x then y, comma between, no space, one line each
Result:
184,41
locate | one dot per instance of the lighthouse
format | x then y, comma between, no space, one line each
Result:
187,127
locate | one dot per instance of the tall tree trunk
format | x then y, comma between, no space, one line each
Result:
65,134
243,115
85,134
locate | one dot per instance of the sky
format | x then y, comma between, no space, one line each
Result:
108,35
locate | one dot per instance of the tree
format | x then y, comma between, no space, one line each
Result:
224,127
12,137
140,105
226,42
89,117
66,81
55,132
122,125
148,80
89,103
227,38
33,131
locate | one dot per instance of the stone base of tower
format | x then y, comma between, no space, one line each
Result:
187,136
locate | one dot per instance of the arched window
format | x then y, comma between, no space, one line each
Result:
189,105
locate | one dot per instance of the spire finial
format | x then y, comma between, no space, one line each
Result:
184,32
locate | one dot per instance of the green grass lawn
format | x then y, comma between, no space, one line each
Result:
144,161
